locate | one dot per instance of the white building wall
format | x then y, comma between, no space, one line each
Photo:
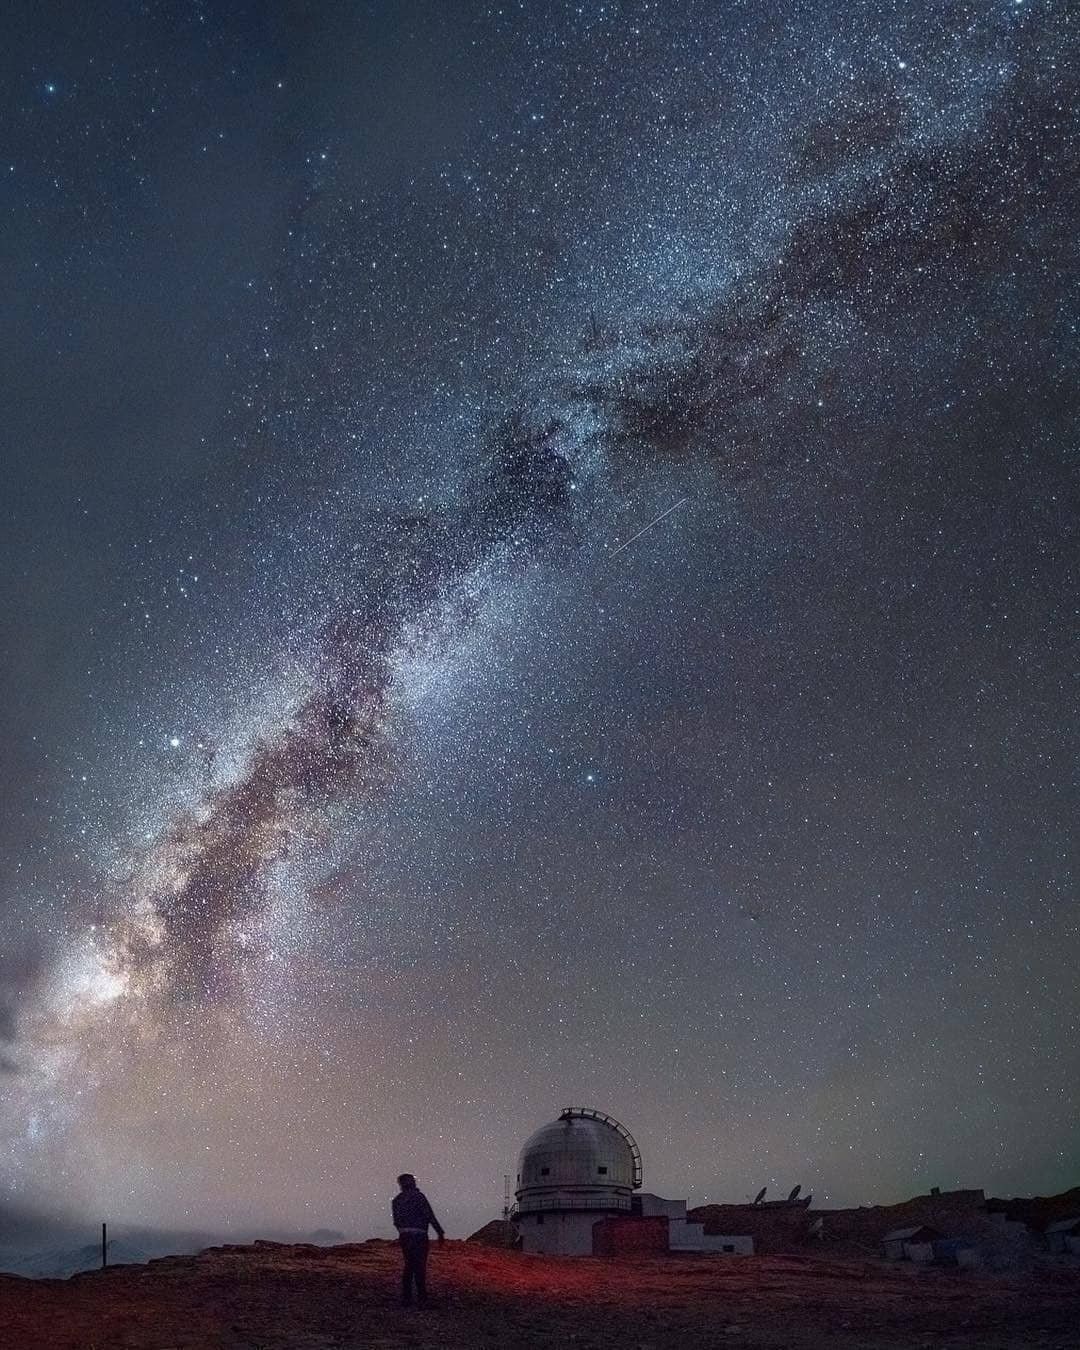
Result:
684,1236
653,1205
559,1234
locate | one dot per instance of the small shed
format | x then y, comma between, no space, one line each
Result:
1064,1236
913,1244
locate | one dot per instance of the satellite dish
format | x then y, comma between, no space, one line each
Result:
760,1195
795,1193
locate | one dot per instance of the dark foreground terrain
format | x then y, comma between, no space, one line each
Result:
271,1297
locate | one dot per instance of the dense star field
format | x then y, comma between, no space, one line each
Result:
541,568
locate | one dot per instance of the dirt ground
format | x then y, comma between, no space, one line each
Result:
271,1297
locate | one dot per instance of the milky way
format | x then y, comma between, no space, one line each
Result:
421,787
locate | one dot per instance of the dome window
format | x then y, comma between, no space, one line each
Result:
602,1171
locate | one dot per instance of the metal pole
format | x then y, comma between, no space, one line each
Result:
104,1245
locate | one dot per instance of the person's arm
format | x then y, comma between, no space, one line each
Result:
394,1211
433,1220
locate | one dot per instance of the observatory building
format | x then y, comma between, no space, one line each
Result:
579,1192
571,1172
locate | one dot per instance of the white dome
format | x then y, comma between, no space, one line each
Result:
584,1158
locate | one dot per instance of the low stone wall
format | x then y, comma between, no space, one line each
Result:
773,1230
630,1236
953,1214
785,1229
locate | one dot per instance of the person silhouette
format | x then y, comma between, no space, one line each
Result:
412,1215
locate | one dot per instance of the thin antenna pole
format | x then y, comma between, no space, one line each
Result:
104,1245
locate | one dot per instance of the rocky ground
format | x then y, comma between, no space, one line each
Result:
273,1297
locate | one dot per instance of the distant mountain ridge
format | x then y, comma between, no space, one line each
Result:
55,1251
59,1262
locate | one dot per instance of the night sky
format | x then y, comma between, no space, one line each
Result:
540,568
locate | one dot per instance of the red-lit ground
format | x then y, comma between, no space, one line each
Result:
270,1297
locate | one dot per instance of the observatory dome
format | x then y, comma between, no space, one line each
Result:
583,1160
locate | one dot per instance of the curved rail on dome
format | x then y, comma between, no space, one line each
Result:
587,1113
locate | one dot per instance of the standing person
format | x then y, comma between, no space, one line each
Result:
412,1214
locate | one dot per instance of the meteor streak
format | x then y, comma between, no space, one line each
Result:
645,528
